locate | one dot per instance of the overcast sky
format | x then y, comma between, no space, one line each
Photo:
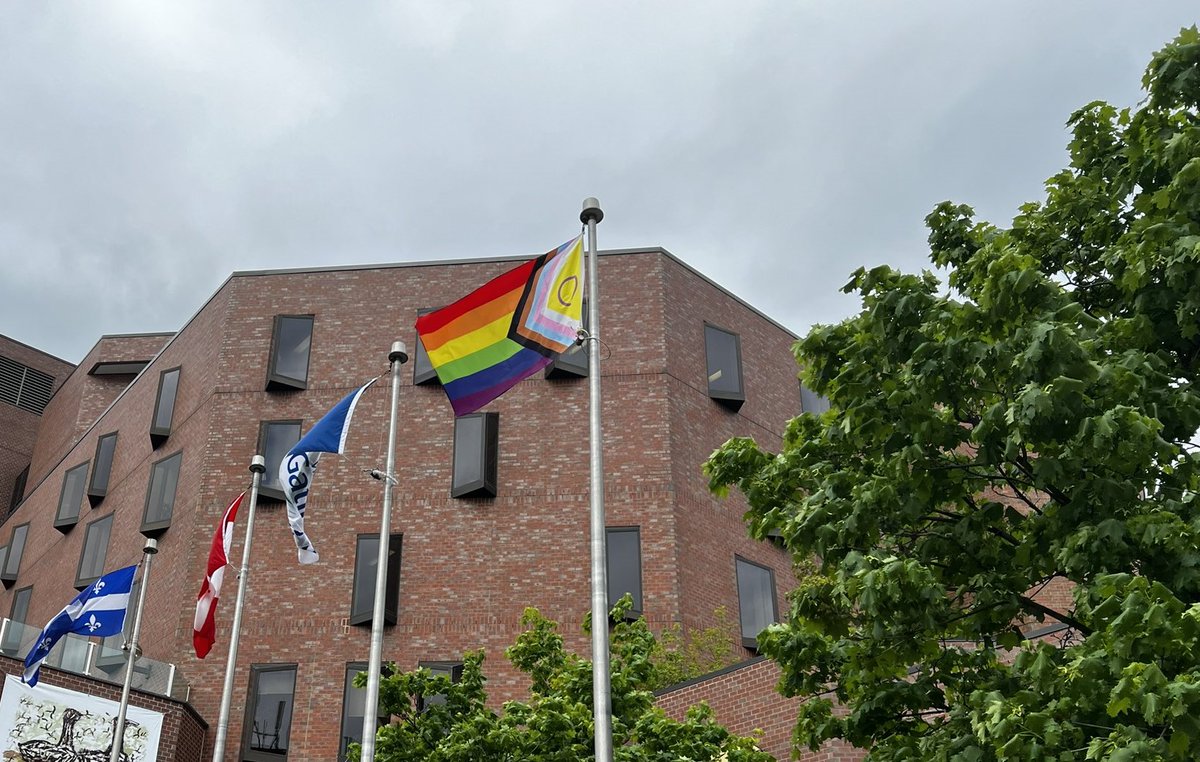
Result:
148,149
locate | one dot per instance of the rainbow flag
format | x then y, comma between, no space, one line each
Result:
506,330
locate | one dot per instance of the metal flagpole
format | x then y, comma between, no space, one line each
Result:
601,693
118,740
397,357
258,466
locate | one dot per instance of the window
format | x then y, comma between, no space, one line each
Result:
362,596
16,547
624,550
71,498
111,655
275,438
16,617
476,452
572,363
354,704
18,491
452,670
423,372
290,346
811,402
160,495
106,447
164,406
24,387
756,600
724,352
95,551
267,728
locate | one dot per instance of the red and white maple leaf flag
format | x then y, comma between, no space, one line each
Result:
205,627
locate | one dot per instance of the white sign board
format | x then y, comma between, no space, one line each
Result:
48,722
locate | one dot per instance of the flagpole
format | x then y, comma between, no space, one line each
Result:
397,357
258,466
601,693
118,740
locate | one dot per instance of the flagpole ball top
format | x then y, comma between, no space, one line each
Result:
399,352
151,546
258,465
591,211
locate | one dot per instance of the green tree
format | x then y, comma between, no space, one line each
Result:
555,724
1030,422
680,655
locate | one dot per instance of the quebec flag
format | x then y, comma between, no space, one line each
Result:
98,610
296,469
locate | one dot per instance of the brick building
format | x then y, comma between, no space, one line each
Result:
151,435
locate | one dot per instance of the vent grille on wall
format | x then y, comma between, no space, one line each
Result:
24,387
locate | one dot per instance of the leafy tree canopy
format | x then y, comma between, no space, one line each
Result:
555,724
1030,423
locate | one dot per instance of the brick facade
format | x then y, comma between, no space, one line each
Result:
468,567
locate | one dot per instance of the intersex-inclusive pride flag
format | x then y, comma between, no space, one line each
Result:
204,628
296,469
98,610
506,330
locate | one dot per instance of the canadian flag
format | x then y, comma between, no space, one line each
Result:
205,627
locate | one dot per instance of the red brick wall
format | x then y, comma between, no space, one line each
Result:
469,566
182,731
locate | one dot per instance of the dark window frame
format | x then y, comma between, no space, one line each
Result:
423,372
115,658
731,400
157,527
752,642
18,490
12,642
639,602
160,434
7,576
65,523
265,490
81,581
96,494
455,668
277,382
486,486
391,603
256,670
820,403
353,668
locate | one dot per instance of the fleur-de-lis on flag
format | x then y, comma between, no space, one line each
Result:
92,624
98,587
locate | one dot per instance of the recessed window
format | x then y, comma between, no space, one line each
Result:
95,552
623,546
71,498
266,732
160,495
106,447
16,548
366,561
354,705
16,617
275,438
18,490
423,372
290,347
572,363
476,454
164,406
451,670
811,402
724,352
756,600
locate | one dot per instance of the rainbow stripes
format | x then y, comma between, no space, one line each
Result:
506,330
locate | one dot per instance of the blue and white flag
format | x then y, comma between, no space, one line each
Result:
296,468
98,610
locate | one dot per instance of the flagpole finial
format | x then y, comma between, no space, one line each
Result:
151,546
399,352
591,210
258,465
